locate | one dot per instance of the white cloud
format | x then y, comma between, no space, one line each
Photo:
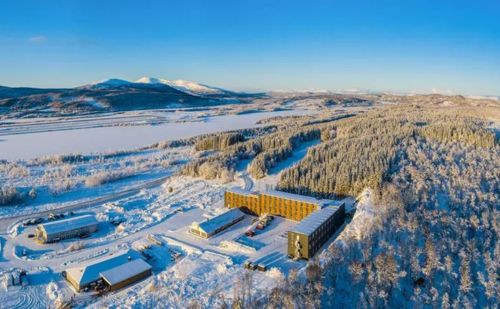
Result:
37,39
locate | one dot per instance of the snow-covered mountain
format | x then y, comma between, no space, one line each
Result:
184,86
108,83
188,87
115,94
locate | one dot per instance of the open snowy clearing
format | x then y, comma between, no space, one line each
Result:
167,215
153,201
28,140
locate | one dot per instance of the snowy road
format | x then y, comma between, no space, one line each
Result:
59,124
247,180
166,212
9,221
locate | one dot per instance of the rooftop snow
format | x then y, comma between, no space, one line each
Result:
294,197
215,223
243,191
283,195
125,271
91,271
327,203
314,220
69,224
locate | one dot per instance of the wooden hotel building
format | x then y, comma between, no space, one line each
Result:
291,206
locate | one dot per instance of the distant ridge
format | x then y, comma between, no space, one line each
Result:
184,85
114,94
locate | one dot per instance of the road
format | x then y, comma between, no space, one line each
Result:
96,121
8,221
247,179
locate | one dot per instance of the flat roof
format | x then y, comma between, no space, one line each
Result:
69,224
211,225
283,195
312,222
243,191
90,272
327,203
292,196
125,271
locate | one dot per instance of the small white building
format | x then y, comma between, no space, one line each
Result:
217,224
66,228
115,271
125,274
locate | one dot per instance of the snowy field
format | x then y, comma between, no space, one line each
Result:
24,140
150,200
204,263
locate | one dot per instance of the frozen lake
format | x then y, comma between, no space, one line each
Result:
112,138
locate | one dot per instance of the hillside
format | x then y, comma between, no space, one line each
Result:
431,236
112,95
425,229
419,178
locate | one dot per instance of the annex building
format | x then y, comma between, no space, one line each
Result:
217,224
307,237
66,228
113,272
291,206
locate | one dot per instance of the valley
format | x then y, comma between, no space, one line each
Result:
157,172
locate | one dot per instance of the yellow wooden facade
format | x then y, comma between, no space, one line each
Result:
262,203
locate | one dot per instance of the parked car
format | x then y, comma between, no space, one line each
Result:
31,235
155,240
117,221
250,233
148,254
32,221
260,226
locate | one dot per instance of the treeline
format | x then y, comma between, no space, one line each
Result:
278,150
304,120
470,133
10,196
219,141
434,239
436,244
272,148
290,292
357,157
265,149
361,151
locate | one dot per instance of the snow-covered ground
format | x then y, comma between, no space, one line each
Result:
205,264
152,201
27,140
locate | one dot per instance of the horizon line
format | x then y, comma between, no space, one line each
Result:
352,91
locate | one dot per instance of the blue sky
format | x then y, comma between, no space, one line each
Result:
406,46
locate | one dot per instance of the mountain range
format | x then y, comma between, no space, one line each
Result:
114,95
